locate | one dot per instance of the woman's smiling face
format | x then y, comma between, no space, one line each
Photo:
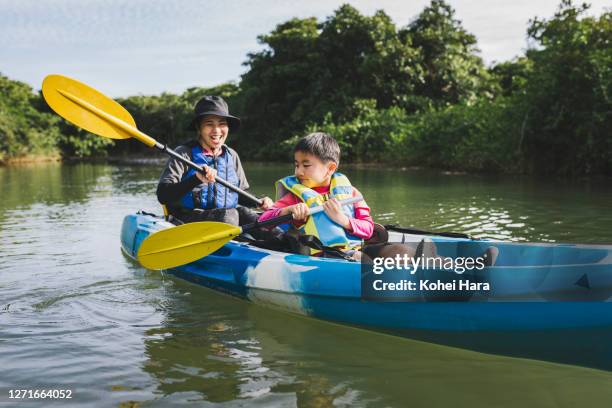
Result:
213,132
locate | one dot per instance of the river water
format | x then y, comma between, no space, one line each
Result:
76,314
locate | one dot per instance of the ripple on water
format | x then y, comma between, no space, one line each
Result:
75,313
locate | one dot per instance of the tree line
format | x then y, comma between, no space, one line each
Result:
418,95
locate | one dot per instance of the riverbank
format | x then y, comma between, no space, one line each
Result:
159,160
30,159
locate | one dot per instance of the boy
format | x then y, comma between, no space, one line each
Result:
316,182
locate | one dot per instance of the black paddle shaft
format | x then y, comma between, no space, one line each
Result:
289,217
268,223
164,148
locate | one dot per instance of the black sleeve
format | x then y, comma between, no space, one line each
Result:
168,193
171,188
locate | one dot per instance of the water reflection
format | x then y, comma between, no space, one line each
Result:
513,209
491,221
218,349
506,208
50,183
74,312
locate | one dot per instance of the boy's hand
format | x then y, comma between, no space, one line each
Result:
333,209
266,203
209,176
299,211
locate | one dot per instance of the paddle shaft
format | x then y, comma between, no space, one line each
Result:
149,141
288,217
416,231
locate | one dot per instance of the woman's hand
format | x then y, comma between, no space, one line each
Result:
266,203
333,209
209,176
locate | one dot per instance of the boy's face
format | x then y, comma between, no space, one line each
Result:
213,132
311,171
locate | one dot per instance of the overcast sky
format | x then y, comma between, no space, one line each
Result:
146,47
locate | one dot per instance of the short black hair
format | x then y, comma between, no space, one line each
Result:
321,145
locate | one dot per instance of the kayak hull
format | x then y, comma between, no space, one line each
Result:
330,289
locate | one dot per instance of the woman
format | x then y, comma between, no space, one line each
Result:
192,196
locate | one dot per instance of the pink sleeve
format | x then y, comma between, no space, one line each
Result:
285,201
362,225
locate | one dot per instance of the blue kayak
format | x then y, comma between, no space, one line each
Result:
532,286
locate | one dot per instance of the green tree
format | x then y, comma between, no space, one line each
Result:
309,71
279,79
164,117
511,76
568,92
363,58
24,129
453,71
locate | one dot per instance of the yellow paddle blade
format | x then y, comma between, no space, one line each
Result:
55,89
184,244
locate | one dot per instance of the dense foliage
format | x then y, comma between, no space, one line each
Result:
28,127
568,94
311,71
414,95
24,129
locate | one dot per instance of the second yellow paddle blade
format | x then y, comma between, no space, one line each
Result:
52,89
184,244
